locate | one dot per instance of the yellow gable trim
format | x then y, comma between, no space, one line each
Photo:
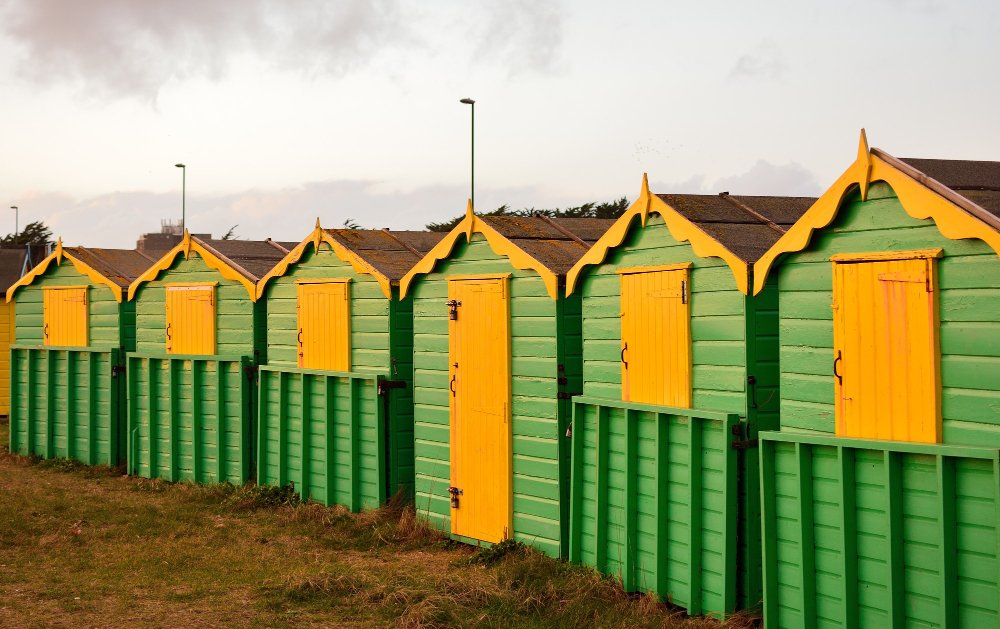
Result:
57,256
469,225
918,201
680,228
318,236
185,247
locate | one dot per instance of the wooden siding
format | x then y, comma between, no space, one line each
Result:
718,329
969,281
236,315
537,425
105,327
6,339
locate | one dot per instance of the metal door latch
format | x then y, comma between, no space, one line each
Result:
455,493
453,305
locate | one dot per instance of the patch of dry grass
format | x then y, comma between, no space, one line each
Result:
87,546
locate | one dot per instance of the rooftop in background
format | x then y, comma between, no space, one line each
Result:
978,182
555,242
746,225
16,260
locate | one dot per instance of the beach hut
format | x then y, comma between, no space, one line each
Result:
336,394
679,375
73,327
200,333
881,491
15,261
496,356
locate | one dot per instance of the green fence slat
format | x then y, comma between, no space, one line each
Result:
263,425
50,407
576,481
695,497
894,538
601,521
131,457
807,547
220,423
175,419
29,420
283,429
198,368
355,450
662,502
381,434
154,430
331,464
306,428
848,538
70,415
769,533
948,534
92,416
631,463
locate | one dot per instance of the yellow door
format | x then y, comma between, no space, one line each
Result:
324,335
885,337
64,314
479,382
191,319
6,338
656,336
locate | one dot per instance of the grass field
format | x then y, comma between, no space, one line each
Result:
82,546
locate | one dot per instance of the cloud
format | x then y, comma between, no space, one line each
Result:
766,61
125,48
117,219
763,178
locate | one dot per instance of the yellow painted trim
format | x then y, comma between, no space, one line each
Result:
325,280
469,225
659,267
316,238
874,256
680,228
918,201
57,256
186,246
480,276
67,287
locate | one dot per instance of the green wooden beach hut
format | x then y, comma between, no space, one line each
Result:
679,375
882,488
496,356
73,327
200,333
336,394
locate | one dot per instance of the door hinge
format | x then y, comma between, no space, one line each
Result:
116,370
739,431
683,292
384,386
562,380
251,372
455,493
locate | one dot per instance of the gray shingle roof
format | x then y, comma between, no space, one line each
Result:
256,257
977,181
558,243
121,266
391,253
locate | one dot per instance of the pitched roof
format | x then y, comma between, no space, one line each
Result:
11,265
255,257
121,266
745,225
391,253
977,181
555,242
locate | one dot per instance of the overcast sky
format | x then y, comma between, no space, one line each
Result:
285,111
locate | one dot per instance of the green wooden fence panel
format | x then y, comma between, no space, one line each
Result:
323,432
67,402
654,500
864,533
190,418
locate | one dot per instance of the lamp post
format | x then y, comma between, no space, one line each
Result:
183,196
472,160
14,207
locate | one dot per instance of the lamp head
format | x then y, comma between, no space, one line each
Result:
179,166
467,101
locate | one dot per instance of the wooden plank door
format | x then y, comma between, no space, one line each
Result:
64,314
886,373
479,383
324,334
191,319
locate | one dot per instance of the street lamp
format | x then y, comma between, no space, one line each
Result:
183,195
14,207
472,160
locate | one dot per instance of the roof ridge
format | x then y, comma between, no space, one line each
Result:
405,245
752,212
562,230
276,245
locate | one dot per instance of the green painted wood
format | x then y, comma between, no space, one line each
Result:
914,533
66,403
653,501
576,479
542,339
970,318
319,432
